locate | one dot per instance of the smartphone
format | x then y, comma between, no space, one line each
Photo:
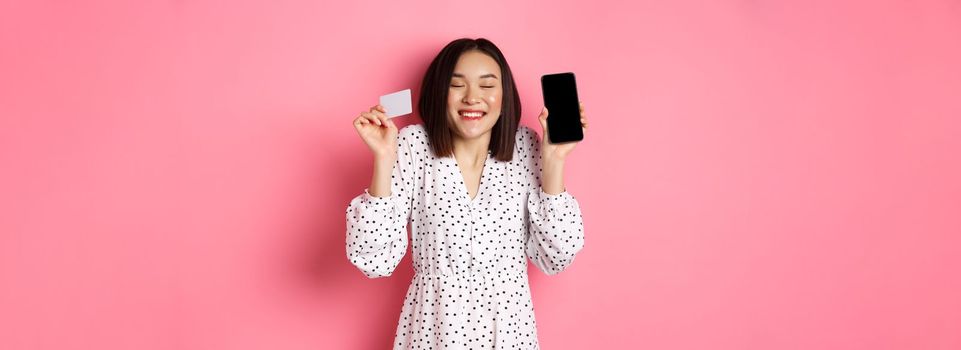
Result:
563,107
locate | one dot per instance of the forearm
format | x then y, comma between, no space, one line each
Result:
380,180
552,176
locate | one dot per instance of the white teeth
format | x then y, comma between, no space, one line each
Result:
472,114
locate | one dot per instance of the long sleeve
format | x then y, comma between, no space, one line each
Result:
377,226
555,226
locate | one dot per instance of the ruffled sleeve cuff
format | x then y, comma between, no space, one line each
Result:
370,201
545,198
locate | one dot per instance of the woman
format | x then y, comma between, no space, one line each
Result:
483,194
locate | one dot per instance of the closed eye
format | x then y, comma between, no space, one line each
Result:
483,86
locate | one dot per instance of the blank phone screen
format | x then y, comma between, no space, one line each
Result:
563,110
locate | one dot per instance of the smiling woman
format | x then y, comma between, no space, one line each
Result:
482,82
471,182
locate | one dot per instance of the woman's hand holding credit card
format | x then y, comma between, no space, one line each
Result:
377,130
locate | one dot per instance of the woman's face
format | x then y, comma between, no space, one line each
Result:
474,95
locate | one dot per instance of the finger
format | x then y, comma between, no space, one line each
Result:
362,119
375,118
542,118
581,105
360,122
380,109
543,121
382,118
371,118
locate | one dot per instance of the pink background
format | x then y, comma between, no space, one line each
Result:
757,175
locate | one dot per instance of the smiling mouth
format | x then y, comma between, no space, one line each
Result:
472,115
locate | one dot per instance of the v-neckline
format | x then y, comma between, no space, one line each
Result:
465,193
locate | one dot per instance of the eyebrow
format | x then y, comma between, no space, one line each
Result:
458,75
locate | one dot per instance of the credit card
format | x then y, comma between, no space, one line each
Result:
397,104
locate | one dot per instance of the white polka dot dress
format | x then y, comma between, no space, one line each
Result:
470,288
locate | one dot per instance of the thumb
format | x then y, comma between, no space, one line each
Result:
391,125
542,118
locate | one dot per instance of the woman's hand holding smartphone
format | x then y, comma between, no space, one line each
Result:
562,119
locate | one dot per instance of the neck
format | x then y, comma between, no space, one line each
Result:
472,152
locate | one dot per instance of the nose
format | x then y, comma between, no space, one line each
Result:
471,97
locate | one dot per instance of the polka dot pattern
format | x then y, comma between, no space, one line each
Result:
470,287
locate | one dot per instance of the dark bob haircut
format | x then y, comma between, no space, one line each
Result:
433,100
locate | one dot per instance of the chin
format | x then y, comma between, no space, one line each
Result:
468,131
472,132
